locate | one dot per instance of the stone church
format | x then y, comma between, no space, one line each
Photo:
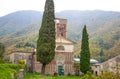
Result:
63,61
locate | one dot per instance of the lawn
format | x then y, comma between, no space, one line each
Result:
37,76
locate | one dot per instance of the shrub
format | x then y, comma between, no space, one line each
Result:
1,60
69,74
77,64
48,74
55,74
7,69
21,61
5,73
89,75
110,75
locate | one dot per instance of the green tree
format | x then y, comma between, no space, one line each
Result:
85,52
101,53
102,56
46,40
2,50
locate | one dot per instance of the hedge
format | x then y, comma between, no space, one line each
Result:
6,70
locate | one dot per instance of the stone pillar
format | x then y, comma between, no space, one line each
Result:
21,73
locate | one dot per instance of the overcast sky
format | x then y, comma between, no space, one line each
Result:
9,6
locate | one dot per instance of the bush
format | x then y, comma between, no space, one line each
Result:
110,75
21,61
1,60
77,64
6,70
55,74
69,74
89,75
48,74
5,73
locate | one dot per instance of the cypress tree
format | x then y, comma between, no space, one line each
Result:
85,52
46,40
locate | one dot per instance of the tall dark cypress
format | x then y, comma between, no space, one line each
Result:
46,40
85,52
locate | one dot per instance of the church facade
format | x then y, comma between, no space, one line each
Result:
63,60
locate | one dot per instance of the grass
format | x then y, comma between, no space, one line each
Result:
38,76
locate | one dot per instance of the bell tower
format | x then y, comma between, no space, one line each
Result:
60,25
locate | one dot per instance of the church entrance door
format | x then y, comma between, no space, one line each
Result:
60,70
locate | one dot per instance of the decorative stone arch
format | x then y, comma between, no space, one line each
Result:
60,47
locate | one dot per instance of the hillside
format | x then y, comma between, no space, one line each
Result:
103,28
18,20
93,19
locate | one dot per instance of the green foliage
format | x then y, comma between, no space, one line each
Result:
7,69
110,75
90,76
23,45
85,52
38,76
101,53
12,66
21,61
46,40
77,64
2,50
17,21
1,60
5,73
102,56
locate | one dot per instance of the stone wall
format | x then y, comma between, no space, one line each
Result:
112,64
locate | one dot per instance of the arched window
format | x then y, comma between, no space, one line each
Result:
60,47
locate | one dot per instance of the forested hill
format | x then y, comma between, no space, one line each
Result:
95,20
18,20
21,28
